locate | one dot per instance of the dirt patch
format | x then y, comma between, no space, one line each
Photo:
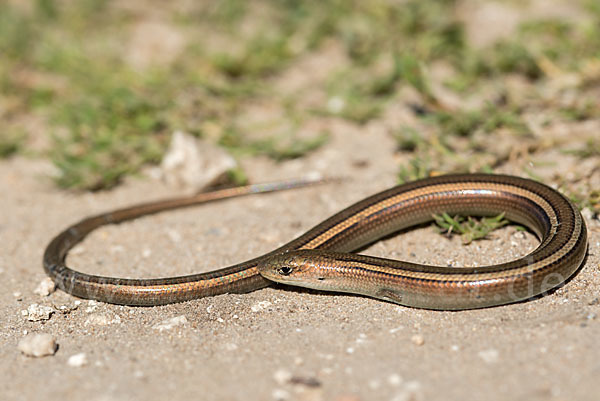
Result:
276,343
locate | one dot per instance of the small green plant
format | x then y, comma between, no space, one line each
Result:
594,201
279,147
487,119
10,143
469,228
582,199
110,135
63,64
591,149
416,169
260,57
412,71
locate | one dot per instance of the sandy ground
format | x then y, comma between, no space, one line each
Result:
276,343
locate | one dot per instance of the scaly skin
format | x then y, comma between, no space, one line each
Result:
318,258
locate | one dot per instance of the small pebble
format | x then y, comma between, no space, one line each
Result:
45,287
68,308
195,164
282,376
77,360
38,345
280,395
170,323
489,355
92,306
395,379
116,249
262,305
335,104
174,236
417,339
36,312
102,319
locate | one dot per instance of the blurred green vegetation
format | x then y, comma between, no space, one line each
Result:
65,63
470,229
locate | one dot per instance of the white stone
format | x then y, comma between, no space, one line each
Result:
280,395
36,312
336,104
92,306
195,164
102,319
77,360
262,305
395,379
170,323
489,355
417,339
174,235
38,345
282,376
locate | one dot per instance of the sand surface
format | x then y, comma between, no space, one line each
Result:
277,343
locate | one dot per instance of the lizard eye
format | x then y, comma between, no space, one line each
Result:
285,270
